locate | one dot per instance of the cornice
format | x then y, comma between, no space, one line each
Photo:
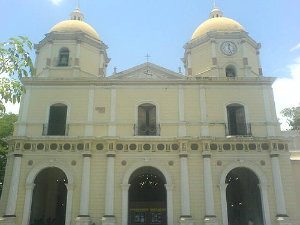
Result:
76,37
106,81
218,35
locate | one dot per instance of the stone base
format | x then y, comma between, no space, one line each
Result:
283,220
83,220
210,220
108,220
186,220
8,220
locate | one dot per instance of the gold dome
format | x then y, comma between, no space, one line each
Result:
70,26
217,23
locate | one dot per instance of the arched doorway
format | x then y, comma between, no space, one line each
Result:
49,198
147,197
244,205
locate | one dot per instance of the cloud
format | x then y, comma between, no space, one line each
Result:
56,2
12,108
296,47
287,91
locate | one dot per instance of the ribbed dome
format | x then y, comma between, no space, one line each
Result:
217,23
75,24
70,26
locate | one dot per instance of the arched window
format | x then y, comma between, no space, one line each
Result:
147,120
57,120
230,71
63,59
237,121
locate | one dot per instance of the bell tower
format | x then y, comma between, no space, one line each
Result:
221,47
72,48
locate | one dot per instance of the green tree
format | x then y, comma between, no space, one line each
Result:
6,129
292,116
15,63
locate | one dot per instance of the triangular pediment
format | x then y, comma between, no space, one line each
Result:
147,71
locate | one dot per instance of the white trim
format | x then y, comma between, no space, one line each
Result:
112,129
30,184
263,187
90,114
125,187
267,108
181,107
23,111
203,110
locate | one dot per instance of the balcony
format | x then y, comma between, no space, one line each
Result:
238,129
146,130
55,129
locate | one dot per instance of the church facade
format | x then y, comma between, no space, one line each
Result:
148,146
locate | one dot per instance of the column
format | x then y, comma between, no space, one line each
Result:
223,188
279,195
14,187
169,188
109,218
208,190
125,188
85,185
27,203
83,217
185,217
70,188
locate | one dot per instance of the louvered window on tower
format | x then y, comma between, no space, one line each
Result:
63,59
230,71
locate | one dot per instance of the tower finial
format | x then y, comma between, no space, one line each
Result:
77,14
216,12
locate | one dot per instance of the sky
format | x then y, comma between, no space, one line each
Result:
134,28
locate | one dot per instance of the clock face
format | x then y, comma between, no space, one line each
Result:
228,48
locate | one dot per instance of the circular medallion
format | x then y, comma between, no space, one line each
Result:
228,48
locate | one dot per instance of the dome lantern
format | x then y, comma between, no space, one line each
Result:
215,13
217,22
77,15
